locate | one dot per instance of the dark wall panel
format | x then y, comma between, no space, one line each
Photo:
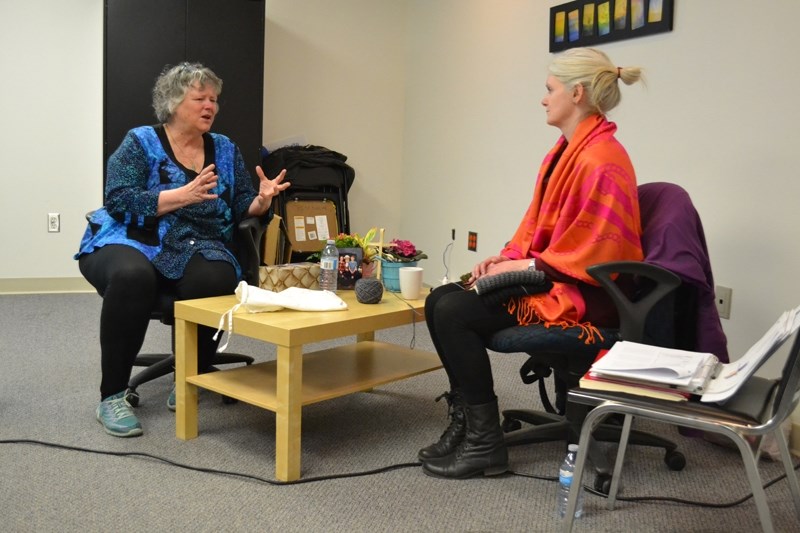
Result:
231,43
142,36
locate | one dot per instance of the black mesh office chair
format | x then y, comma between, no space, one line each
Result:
247,241
655,306
560,353
247,247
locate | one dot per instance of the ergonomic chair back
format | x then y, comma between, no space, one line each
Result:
564,354
758,408
247,247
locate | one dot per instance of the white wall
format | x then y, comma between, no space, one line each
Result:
436,103
718,116
335,75
51,139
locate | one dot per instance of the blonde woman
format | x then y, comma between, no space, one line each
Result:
584,211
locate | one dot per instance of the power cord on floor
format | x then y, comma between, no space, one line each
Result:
212,470
375,471
661,498
413,320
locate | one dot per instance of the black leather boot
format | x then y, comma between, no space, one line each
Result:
483,450
454,433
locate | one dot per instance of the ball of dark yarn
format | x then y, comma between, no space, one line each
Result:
369,290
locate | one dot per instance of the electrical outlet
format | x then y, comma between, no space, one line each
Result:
472,242
453,234
722,297
53,222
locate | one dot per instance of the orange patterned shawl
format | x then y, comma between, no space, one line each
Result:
587,213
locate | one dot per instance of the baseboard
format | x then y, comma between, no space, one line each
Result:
794,439
43,285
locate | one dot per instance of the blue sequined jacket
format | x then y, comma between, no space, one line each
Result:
137,172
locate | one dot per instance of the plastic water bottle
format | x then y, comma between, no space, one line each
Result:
329,267
565,474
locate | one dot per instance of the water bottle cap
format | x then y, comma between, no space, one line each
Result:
331,241
572,447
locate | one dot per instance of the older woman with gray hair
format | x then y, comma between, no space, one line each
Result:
174,193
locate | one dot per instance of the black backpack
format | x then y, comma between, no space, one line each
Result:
316,173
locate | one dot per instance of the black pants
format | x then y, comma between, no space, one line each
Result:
129,285
461,324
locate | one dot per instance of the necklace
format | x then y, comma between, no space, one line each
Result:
182,153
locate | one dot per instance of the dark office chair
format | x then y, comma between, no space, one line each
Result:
656,305
757,409
247,245
247,242
560,353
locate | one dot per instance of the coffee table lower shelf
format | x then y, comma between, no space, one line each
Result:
326,374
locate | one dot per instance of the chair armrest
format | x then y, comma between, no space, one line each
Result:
248,235
633,313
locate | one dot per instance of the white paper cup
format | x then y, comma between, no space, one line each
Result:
410,282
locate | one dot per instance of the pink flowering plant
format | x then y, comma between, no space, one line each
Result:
399,251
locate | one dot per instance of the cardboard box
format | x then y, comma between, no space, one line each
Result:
277,248
310,224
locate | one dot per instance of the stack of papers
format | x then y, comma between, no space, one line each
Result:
653,371
597,381
680,373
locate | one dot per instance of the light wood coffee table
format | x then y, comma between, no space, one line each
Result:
295,379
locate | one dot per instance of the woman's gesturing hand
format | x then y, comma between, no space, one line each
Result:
199,189
196,191
267,189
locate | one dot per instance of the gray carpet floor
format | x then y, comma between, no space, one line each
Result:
49,378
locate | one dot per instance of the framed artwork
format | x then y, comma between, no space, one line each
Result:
590,22
349,267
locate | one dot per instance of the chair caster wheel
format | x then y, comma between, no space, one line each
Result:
227,400
675,460
511,424
133,397
602,483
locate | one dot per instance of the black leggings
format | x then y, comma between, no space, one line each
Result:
129,285
461,324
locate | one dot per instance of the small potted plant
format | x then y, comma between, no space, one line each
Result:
348,243
398,253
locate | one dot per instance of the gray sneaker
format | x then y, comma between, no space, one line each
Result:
171,400
117,417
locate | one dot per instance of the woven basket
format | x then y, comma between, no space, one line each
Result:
279,277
